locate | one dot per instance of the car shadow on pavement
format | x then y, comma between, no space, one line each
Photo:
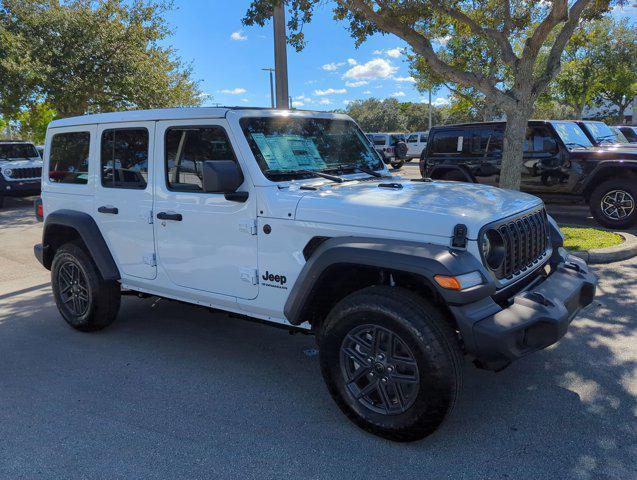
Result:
168,377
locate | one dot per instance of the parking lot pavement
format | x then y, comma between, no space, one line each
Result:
173,391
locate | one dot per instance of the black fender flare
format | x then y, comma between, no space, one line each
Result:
442,168
422,259
605,165
90,234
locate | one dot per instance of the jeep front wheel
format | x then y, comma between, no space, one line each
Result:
86,301
391,362
613,203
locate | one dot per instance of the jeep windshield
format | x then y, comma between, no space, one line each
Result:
18,151
601,132
289,148
572,135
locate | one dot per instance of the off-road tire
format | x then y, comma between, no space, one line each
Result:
103,297
604,191
429,337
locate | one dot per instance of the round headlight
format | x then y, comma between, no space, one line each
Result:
493,249
8,172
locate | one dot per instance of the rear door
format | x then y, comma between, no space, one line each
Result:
413,145
124,195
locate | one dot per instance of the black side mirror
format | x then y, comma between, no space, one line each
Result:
221,176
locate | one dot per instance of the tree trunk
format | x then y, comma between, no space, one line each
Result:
512,152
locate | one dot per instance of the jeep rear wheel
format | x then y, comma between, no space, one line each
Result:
86,301
391,362
614,203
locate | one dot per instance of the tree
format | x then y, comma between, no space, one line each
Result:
34,120
375,115
504,41
86,56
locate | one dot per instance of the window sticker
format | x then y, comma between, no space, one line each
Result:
289,152
460,142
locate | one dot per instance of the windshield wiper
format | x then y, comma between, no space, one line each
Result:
333,178
369,171
575,144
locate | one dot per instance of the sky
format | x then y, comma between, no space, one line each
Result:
330,72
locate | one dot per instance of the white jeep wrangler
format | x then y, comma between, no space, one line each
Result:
20,169
292,218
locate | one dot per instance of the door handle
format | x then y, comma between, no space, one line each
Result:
176,217
108,209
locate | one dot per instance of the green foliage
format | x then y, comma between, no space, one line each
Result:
390,115
33,122
86,56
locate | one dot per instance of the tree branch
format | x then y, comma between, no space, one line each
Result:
508,55
558,13
553,62
422,45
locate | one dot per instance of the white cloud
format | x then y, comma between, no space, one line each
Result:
325,101
394,52
377,68
330,67
405,79
367,92
245,100
359,83
238,36
297,103
378,52
347,102
442,41
398,94
330,91
351,61
234,91
440,102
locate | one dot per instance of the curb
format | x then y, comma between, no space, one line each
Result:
623,251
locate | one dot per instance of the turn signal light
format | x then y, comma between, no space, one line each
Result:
450,283
460,282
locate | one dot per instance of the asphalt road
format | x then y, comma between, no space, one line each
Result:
173,391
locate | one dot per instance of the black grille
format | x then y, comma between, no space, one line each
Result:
526,239
20,173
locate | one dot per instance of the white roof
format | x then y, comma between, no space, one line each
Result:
183,113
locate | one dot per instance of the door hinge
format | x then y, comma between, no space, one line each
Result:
248,226
150,260
250,275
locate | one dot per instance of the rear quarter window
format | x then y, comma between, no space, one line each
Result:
68,160
448,142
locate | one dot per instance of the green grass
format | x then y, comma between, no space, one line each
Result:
576,239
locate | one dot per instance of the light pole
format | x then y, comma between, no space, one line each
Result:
271,70
280,57
430,109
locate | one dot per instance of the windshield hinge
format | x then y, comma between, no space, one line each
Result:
250,275
248,226
150,260
459,239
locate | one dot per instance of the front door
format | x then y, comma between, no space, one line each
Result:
124,196
205,242
545,168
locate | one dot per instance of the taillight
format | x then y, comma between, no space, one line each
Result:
39,210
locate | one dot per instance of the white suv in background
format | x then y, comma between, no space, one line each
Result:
291,218
416,143
20,169
391,147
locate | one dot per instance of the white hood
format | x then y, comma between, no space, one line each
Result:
433,208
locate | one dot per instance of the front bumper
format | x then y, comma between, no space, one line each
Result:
19,188
534,318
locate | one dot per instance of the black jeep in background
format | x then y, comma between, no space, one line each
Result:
560,164
601,135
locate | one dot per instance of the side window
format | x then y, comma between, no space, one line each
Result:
485,141
124,158
380,140
186,150
539,140
450,141
412,138
68,160
424,138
